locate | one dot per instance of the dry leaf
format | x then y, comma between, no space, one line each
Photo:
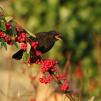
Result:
91,99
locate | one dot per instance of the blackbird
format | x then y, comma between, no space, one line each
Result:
46,41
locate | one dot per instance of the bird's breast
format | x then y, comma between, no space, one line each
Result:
45,45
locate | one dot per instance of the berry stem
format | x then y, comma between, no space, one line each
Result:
59,83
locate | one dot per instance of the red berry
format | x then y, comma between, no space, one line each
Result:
48,65
7,39
28,61
21,37
8,25
10,42
78,71
2,34
23,46
38,53
34,44
46,80
61,76
64,86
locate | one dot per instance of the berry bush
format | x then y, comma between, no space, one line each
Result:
13,34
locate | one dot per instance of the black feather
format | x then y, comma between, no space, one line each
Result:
46,41
18,55
33,57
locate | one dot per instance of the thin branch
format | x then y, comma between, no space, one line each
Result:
59,82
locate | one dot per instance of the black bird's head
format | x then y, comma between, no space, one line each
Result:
55,35
47,40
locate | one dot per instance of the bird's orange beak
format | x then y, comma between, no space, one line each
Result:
58,37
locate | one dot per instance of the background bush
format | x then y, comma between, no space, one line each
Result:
79,21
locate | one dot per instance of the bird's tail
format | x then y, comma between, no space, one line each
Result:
18,55
33,58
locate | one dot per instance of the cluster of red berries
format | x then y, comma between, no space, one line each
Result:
21,37
34,45
46,80
64,86
48,65
35,52
61,76
6,38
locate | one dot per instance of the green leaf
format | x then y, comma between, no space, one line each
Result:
31,34
2,17
3,43
28,47
8,32
0,44
13,27
16,45
25,56
8,18
2,25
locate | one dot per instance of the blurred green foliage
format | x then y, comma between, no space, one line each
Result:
77,20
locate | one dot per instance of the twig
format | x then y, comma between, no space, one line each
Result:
59,82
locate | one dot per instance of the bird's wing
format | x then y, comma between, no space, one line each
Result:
33,56
45,40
